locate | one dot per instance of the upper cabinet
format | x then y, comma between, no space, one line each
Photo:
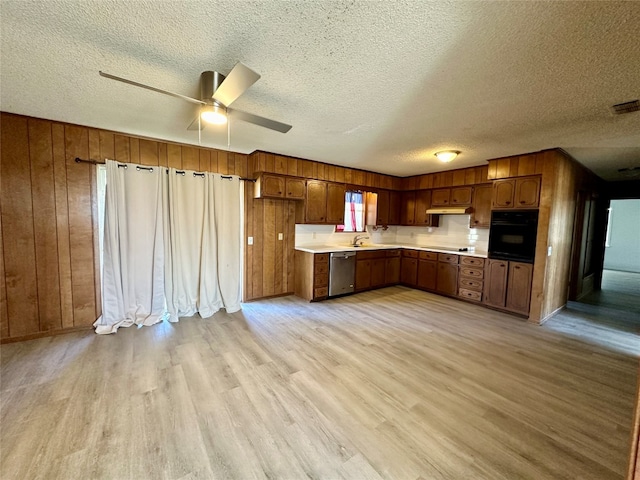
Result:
270,185
522,192
481,215
461,196
423,202
441,197
325,202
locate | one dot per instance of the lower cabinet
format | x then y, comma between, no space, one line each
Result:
363,275
409,268
392,267
311,275
427,270
447,278
507,285
371,269
471,278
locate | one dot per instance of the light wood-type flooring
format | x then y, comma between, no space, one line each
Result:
393,383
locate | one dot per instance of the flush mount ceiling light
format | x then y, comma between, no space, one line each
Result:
215,114
447,155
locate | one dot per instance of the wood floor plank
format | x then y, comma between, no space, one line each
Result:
388,384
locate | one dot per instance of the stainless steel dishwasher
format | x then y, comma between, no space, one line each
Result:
342,273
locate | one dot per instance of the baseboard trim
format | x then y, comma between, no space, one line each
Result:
48,333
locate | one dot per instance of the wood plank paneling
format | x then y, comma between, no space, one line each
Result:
280,275
94,151
62,225
258,250
4,314
107,146
292,166
223,162
174,156
122,148
269,248
163,160
281,165
17,227
190,158
205,160
44,223
80,225
134,150
149,153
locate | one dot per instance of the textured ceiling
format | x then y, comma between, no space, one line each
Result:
373,85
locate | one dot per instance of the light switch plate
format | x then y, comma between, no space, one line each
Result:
249,240
549,250
280,236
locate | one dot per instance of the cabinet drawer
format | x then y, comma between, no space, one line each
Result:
475,261
410,253
320,292
321,280
428,256
321,258
448,258
393,253
471,284
321,268
472,272
470,294
368,255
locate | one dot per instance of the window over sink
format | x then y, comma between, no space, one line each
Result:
354,212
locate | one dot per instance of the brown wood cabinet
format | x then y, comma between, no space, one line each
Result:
481,214
471,278
408,208
423,202
447,275
521,192
394,208
294,188
325,202
311,275
409,268
441,197
508,285
363,275
270,185
519,287
335,203
427,270
461,196
392,267
382,217
378,271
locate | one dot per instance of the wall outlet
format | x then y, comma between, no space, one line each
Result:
280,236
249,240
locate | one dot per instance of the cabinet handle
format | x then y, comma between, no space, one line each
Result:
522,201
517,268
507,203
502,265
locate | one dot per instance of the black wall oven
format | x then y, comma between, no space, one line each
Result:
513,235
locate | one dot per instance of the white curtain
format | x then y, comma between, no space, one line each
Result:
172,245
133,271
203,252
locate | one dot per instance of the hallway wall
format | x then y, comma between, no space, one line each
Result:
623,252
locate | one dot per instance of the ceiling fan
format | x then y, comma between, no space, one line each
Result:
217,92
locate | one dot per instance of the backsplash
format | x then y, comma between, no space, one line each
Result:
453,231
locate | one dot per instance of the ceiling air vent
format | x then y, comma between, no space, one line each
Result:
626,107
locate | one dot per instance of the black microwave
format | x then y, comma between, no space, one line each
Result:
513,235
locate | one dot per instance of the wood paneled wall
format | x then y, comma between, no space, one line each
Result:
49,271
450,178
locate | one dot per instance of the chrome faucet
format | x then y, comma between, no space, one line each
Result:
358,238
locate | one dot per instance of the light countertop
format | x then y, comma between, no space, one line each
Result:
350,248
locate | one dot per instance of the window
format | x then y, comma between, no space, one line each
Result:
354,213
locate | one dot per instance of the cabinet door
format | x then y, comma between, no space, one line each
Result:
527,192
423,201
409,271
383,208
441,197
481,216
363,275
427,271
377,272
394,208
392,271
447,278
335,203
408,208
316,204
294,188
503,192
519,287
461,196
271,186
495,283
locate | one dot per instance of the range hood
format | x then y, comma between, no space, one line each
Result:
449,211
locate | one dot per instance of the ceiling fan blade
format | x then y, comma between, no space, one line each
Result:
195,125
261,121
153,89
239,79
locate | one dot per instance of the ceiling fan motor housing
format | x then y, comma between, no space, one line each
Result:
209,83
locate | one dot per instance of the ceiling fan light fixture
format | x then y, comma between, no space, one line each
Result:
214,114
447,155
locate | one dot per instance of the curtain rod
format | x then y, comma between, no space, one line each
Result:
181,172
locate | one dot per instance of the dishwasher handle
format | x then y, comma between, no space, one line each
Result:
343,254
